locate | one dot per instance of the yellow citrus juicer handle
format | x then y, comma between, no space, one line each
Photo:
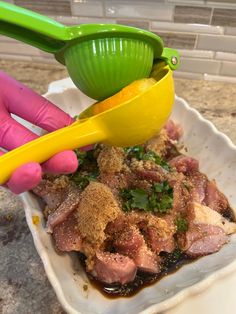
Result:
130,123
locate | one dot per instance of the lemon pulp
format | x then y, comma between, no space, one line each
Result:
127,93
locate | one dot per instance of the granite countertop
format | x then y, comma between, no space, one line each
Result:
24,287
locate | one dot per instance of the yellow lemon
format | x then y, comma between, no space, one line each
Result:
127,93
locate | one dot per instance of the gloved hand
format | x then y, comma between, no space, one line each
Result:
18,99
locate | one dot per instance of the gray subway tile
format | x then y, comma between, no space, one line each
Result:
15,57
190,14
67,20
199,65
139,9
95,20
16,48
202,54
52,7
228,68
217,43
139,24
223,2
221,5
186,27
44,60
224,17
219,78
230,30
132,1
178,40
188,75
193,2
226,56
87,8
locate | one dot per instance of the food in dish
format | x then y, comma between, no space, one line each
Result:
136,213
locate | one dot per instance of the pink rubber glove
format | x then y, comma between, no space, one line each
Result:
23,102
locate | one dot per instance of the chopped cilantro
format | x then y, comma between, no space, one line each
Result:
84,156
88,165
150,155
81,156
159,201
83,180
181,224
165,204
135,152
139,153
136,198
162,187
140,198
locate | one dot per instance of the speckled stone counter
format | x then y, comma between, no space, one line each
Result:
24,287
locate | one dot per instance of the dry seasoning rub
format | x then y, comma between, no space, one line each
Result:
136,214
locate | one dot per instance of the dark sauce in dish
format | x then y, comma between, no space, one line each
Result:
229,215
171,263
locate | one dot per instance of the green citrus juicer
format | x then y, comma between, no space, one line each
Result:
101,58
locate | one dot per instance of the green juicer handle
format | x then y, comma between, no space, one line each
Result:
170,57
32,28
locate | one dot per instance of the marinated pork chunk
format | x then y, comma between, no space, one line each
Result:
67,235
129,211
114,267
202,239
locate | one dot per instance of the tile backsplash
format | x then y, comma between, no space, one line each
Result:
204,31
192,15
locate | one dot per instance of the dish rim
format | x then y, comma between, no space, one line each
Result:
156,308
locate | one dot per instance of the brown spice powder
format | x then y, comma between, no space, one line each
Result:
97,208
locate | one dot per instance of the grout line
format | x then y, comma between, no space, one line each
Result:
196,41
172,14
220,68
104,8
222,5
224,33
212,11
220,78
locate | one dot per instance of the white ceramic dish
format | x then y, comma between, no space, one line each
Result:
217,157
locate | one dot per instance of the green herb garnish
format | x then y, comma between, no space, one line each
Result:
139,153
84,156
150,155
181,224
83,180
88,170
135,152
159,201
136,198
81,156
